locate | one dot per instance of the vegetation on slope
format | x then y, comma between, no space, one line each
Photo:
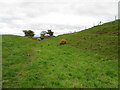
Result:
88,60
101,39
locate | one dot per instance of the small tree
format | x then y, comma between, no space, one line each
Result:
28,33
42,34
50,32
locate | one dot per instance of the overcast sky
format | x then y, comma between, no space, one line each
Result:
62,16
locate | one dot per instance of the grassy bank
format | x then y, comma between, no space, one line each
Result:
88,60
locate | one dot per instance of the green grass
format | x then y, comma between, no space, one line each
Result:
88,60
0,62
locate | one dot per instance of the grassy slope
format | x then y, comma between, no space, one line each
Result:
88,60
0,62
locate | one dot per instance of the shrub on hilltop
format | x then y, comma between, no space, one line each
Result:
28,33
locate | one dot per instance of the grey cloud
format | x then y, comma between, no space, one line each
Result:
37,9
28,10
97,9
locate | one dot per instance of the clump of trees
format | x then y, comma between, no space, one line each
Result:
43,34
28,33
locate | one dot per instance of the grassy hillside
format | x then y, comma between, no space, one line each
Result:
88,60
1,62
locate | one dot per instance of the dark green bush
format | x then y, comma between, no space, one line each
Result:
28,33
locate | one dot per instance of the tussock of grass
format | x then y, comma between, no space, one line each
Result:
88,60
